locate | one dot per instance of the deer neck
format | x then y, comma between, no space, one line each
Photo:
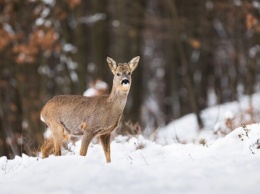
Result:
118,98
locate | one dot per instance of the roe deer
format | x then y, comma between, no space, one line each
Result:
73,115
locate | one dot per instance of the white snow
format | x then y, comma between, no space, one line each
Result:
256,4
226,164
101,85
93,18
39,21
8,28
90,92
97,88
49,2
69,48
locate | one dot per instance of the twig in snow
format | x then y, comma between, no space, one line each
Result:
144,158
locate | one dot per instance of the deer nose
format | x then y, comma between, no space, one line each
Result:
125,81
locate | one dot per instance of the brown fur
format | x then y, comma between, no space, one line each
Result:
88,116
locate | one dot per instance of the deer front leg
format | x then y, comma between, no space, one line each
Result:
105,141
87,137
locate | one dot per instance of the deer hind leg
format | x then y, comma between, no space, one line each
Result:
57,134
47,148
105,141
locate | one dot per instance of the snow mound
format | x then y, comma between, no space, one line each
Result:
218,121
229,165
183,130
244,139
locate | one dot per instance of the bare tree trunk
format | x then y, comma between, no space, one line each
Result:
10,108
99,33
153,64
28,83
4,148
135,29
185,66
11,114
80,39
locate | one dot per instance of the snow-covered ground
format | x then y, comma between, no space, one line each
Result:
218,164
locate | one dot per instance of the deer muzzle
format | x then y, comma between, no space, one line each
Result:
125,82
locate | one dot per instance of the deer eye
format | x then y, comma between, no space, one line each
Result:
129,73
118,74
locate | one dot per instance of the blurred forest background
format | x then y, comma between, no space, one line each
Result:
194,54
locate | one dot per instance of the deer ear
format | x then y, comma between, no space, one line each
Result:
112,64
134,63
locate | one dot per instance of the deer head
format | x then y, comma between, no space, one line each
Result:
122,72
